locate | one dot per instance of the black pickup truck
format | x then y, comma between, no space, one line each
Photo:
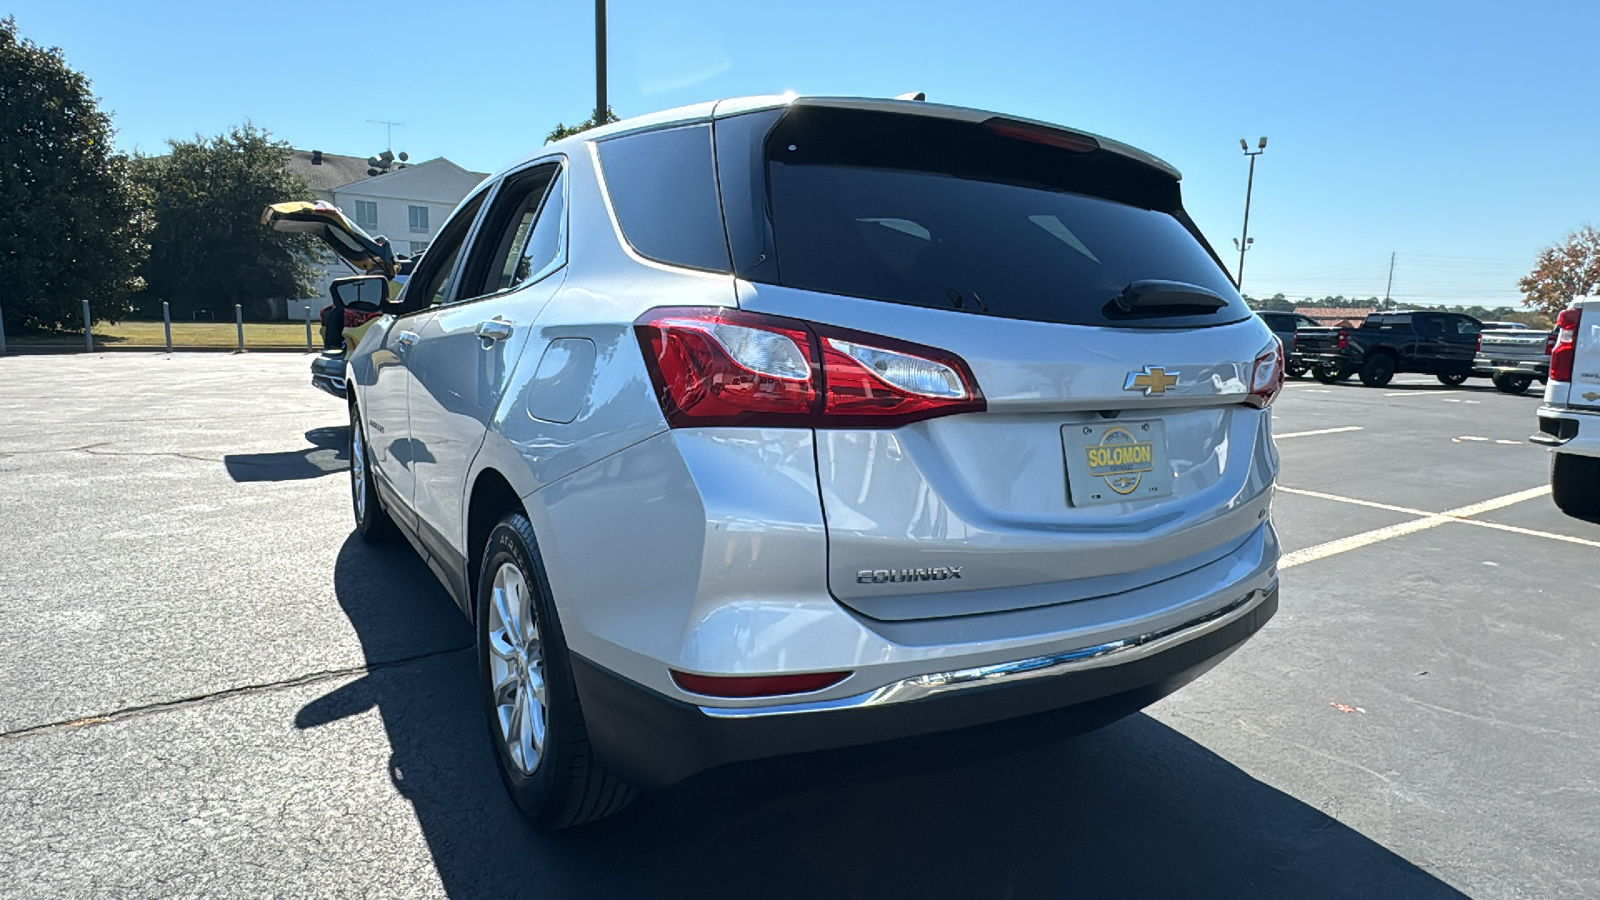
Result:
1437,343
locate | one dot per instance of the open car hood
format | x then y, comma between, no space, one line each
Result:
324,220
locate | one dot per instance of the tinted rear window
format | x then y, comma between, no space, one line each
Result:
664,190
950,215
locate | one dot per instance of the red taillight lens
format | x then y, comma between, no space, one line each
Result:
714,366
756,685
1566,344
1480,343
1266,376
1344,338
1549,343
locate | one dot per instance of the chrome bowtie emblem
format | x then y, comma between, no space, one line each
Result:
1153,381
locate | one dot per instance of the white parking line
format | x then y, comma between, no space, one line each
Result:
1424,521
1318,431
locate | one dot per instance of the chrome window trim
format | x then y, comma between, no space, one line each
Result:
1105,654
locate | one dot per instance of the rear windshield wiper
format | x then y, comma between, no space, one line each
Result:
1165,298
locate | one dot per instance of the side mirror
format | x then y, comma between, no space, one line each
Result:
365,293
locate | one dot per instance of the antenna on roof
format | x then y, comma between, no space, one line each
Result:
914,95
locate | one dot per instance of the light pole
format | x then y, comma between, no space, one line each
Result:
599,62
1243,241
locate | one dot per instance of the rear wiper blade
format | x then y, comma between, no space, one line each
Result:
1156,297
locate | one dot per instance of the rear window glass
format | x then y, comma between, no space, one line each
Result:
950,215
663,188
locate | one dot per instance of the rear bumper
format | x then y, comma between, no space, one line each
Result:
1328,357
1569,430
327,374
652,740
1487,365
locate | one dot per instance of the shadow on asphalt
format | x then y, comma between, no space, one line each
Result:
329,453
1136,809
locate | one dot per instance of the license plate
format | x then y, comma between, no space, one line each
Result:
1116,461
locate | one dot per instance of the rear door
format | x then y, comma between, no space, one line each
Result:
466,351
1117,446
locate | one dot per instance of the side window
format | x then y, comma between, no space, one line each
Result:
430,284
1427,325
537,233
1305,322
1465,325
663,188
512,223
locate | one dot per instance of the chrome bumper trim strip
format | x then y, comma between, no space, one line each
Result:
1106,654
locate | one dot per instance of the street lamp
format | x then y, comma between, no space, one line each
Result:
1244,240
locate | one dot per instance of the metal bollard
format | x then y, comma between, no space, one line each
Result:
308,329
238,320
166,321
88,329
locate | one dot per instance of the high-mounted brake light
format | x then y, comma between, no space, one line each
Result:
1266,376
756,685
718,366
1039,134
1566,344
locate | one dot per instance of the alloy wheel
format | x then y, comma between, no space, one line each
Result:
358,470
517,670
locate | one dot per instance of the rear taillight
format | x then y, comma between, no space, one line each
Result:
1480,343
1566,343
718,366
1344,338
1266,376
1549,343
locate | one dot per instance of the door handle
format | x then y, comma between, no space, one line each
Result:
494,330
406,338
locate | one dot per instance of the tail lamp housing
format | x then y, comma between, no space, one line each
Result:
1266,376
723,366
1344,338
1566,344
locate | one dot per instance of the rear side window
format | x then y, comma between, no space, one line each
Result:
963,216
663,188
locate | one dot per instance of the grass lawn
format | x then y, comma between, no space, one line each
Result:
206,335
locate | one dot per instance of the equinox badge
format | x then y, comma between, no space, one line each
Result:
884,576
1154,380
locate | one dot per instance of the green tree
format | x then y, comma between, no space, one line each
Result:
1563,271
73,225
566,131
208,250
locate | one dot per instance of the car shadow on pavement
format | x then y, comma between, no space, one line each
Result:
1134,810
328,454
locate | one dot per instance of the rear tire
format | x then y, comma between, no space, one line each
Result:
535,723
1378,370
1513,384
1330,374
1297,370
1575,485
1452,379
372,520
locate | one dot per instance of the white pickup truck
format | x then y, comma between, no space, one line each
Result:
1569,420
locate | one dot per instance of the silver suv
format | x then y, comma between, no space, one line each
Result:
775,425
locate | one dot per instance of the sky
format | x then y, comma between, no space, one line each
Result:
1460,137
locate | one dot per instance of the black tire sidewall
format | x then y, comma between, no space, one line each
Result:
1377,371
532,793
366,524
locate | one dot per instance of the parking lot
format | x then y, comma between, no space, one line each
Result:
208,687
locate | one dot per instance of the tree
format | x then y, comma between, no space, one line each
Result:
1563,271
565,131
208,250
74,225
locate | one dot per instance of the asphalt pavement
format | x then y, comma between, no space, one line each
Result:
208,688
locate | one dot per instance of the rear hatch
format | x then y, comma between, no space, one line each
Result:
357,248
1119,443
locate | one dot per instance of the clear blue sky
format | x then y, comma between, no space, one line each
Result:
1461,135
